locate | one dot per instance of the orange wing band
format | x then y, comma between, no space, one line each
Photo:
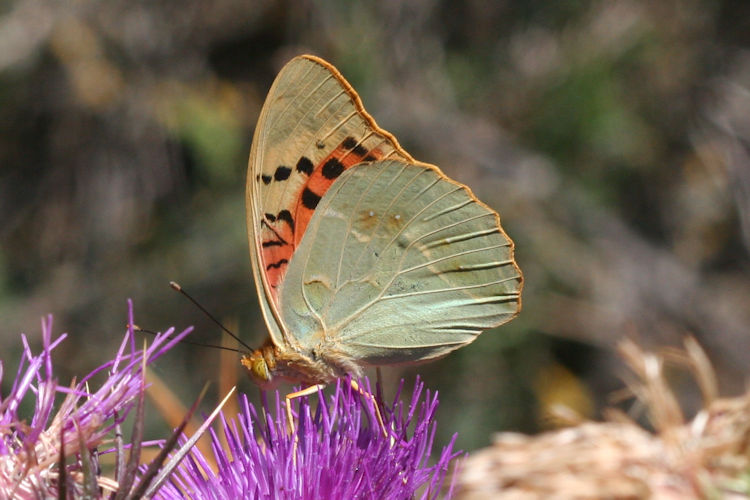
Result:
283,232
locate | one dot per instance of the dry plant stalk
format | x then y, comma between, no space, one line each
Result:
707,457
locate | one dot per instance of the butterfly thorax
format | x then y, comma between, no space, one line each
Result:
271,364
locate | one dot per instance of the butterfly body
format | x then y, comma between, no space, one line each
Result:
362,255
271,364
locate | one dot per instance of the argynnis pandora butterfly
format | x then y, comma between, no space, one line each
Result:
362,255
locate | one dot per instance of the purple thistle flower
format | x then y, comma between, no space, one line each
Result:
30,452
337,451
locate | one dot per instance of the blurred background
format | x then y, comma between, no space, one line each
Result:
613,138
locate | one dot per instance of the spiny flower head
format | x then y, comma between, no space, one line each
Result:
43,453
336,451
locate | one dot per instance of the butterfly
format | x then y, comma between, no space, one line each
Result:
362,255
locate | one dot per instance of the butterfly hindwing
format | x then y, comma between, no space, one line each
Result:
399,263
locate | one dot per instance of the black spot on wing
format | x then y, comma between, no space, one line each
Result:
369,158
286,216
309,199
276,265
332,168
270,217
305,166
282,173
356,148
273,243
266,179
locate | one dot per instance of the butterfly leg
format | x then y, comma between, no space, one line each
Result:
294,395
366,394
290,417
315,388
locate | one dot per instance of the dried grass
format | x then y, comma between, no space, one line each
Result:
706,457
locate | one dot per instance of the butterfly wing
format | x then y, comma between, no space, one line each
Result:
399,264
311,129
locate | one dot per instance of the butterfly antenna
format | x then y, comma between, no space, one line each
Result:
176,286
138,329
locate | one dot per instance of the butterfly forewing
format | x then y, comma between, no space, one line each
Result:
399,263
311,129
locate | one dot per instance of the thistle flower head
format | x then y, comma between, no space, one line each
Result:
335,451
31,446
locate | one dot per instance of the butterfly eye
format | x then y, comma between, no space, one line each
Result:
257,368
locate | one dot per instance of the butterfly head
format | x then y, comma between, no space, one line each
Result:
260,364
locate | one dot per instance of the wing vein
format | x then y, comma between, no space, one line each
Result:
509,295
454,255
